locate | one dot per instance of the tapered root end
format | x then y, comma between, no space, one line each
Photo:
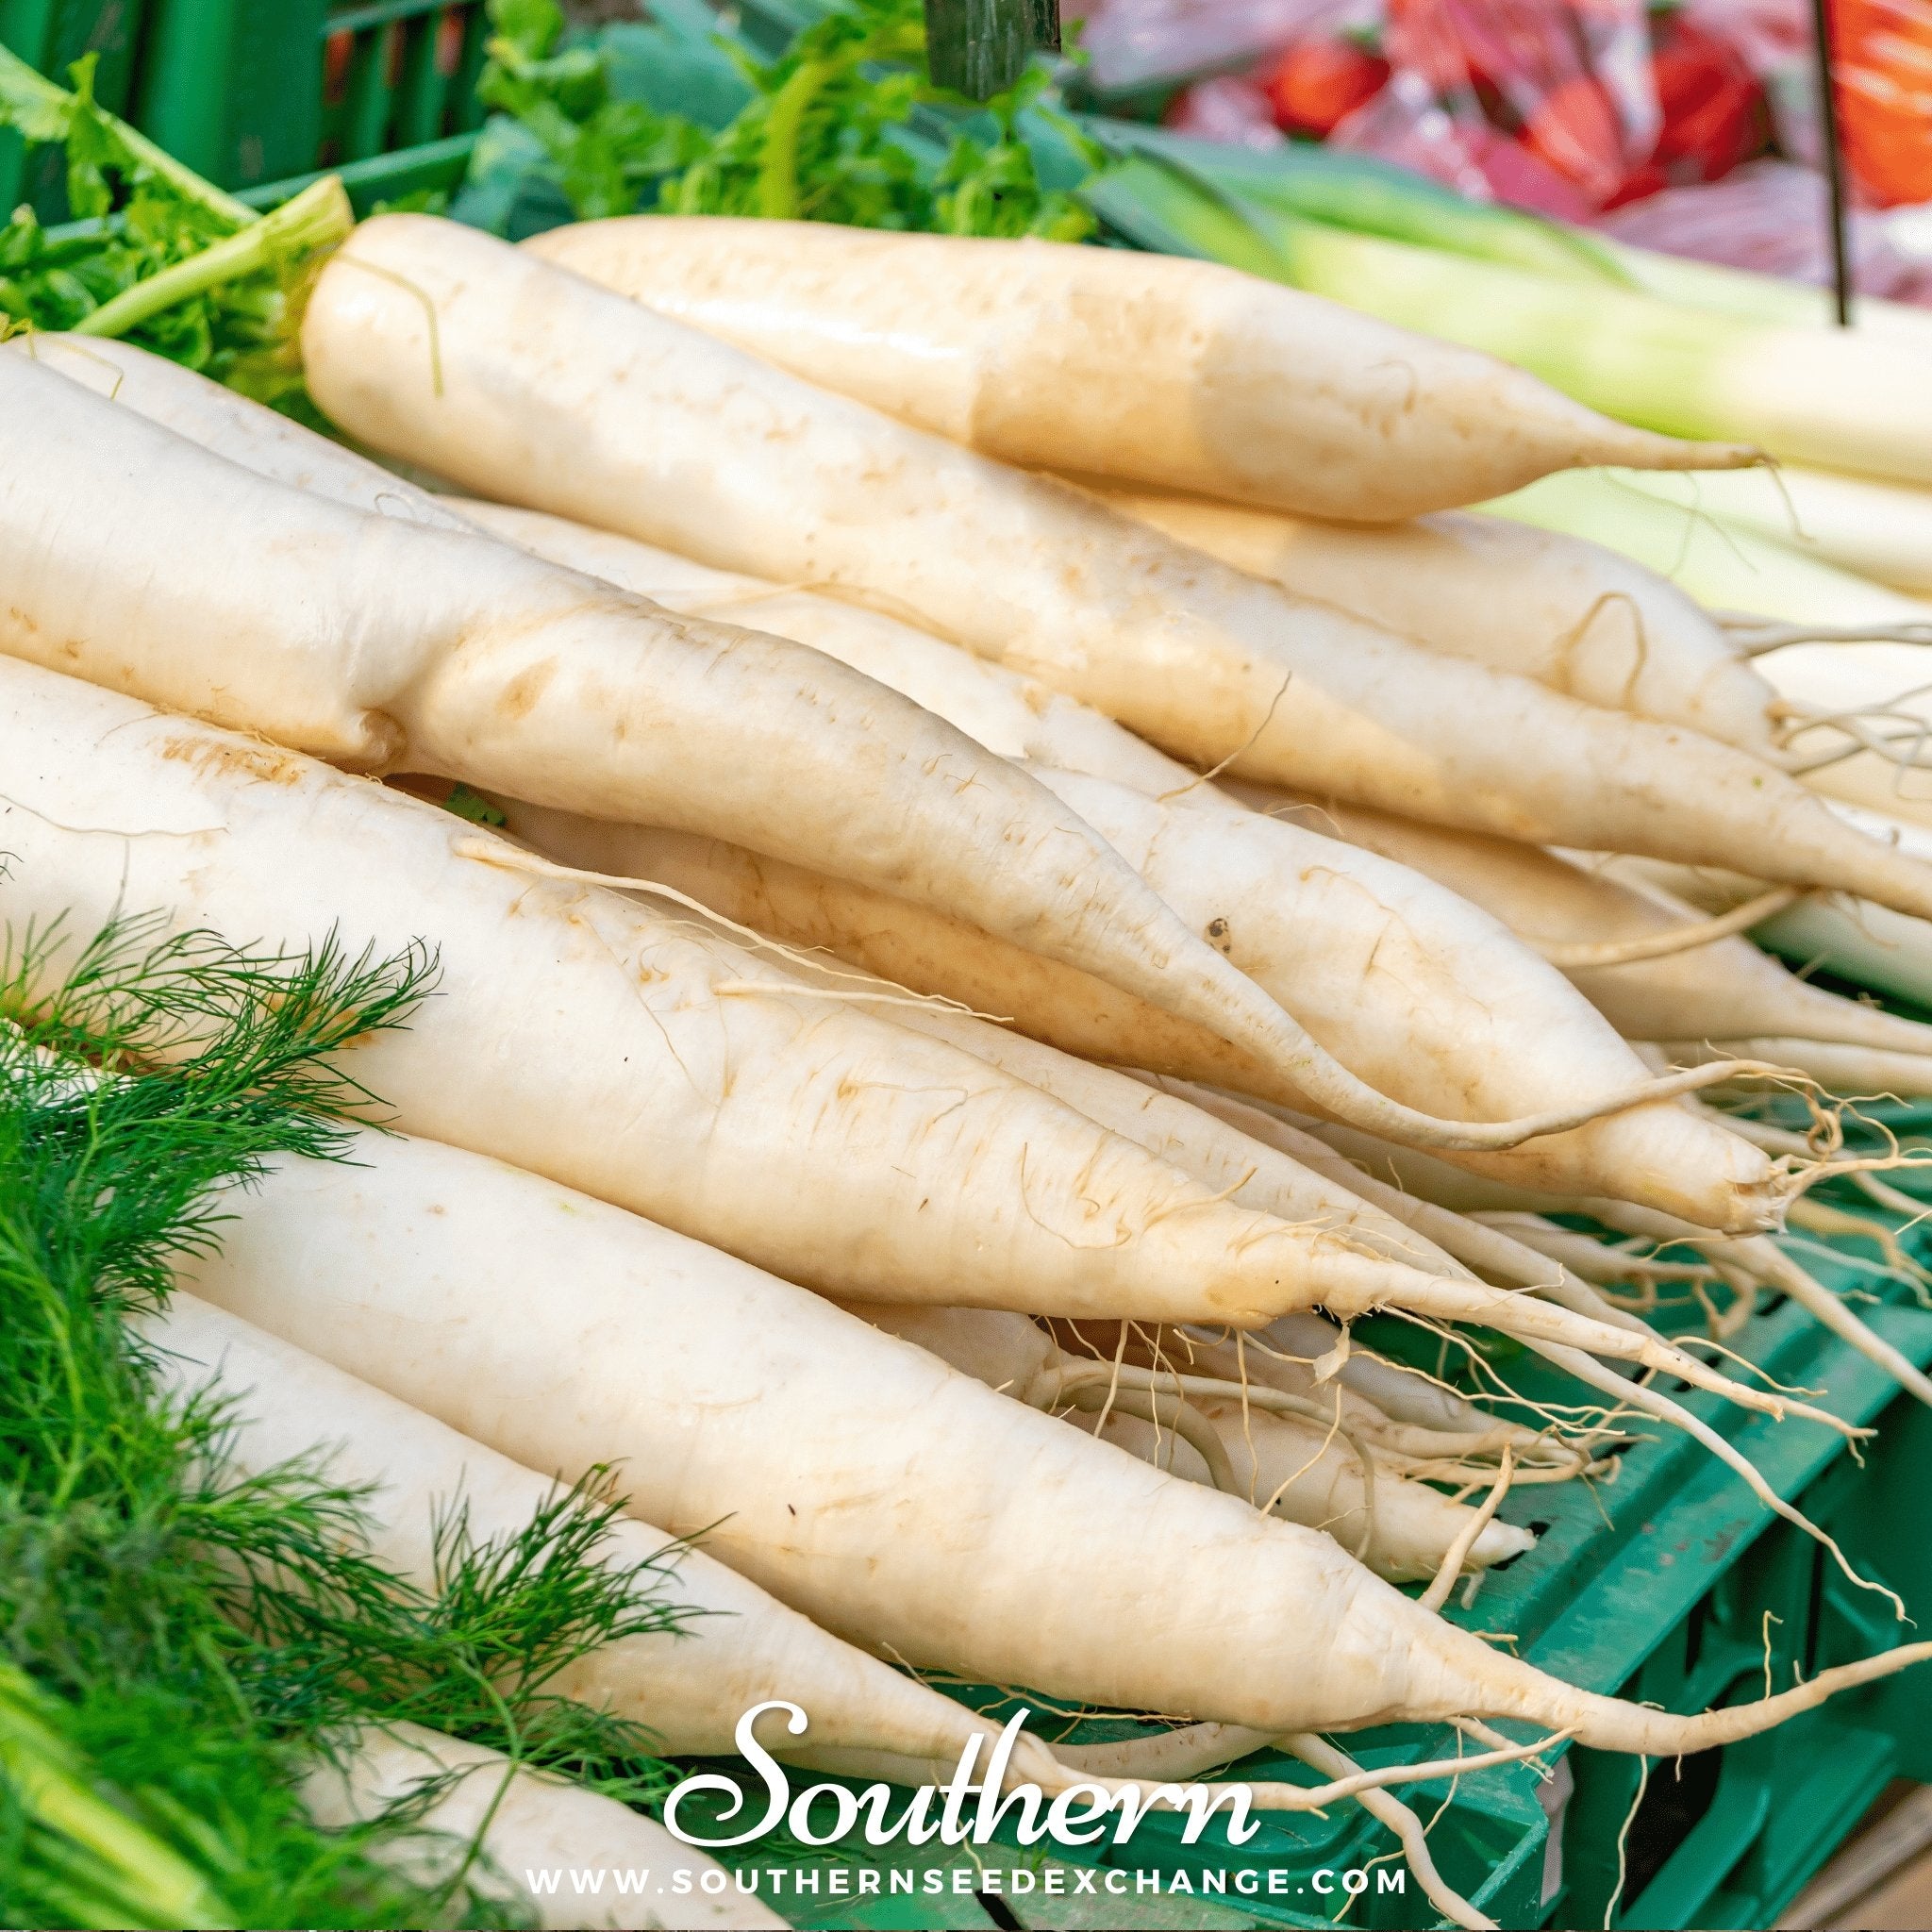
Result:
1642,449
1608,1723
1497,1544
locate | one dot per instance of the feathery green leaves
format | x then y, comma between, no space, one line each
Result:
178,1642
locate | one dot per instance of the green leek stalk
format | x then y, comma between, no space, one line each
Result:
1752,297
1367,196
1374,197
1722,566
1874,529
1829,398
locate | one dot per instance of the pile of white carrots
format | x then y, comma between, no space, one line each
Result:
959,984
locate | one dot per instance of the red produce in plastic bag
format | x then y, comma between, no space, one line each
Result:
1884,62
1713,109
1321,80
1571,77
1229,109
1132,43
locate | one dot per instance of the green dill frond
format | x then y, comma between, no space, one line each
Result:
226,1019
179,1641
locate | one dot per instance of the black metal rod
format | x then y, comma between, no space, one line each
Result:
981,47
1834,161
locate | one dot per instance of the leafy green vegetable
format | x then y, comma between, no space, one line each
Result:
157,254
178,1642
472,805
844,125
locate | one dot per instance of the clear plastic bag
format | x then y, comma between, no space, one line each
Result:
1569,80
1691,128
1771,216
1135,43
1228,108
1567,107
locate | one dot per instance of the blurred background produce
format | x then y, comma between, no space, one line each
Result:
1691,128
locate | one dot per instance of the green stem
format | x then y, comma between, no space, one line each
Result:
33,1759
778,163
319,217
22,89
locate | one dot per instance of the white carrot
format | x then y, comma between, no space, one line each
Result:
993,707
583,1037
1397,1392
1486,1251
233,425
1169,371
578,1034
1570,613
1015,716
688,1687
1423,996
1878,693
1763,1262
1583,618
1211,1149
526,1825
857,1478
521,381
1218,1362
1828,696
1005,713
1871,945
1402,983
1724,989
1009,714
1465,1193
1326,1473
1305,1472
1756,1257
138,559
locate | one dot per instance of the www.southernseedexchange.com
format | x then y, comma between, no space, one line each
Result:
847,1881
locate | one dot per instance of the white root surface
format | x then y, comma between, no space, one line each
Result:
528,1822
142,562
1170,370
1371,959
1561,610
891,1498
578,1034
1306,1471
740,1647
1727,991
538,388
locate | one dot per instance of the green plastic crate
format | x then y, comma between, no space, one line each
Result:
437,166
255,92
1656,1588
247,92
